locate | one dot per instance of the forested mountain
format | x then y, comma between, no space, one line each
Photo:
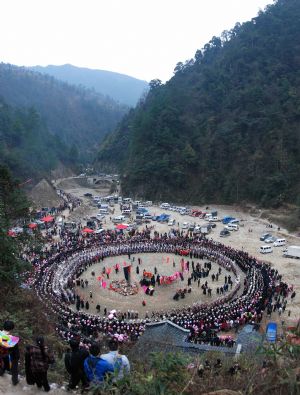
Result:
76,116
226,127
27,147
120,87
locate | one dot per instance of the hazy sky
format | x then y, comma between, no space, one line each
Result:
141,38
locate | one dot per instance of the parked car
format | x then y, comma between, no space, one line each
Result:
279,242
185,225
213,219
197,229
171,222
231,226
270,239
88,194
265,249
227,219
224,233
265,236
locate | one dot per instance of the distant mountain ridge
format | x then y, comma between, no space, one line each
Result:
46,123
76,115
120,87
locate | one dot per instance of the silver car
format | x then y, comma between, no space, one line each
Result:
270,240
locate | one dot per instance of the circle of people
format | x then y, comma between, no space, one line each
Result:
58,266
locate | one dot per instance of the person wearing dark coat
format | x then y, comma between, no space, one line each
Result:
74,364
37,360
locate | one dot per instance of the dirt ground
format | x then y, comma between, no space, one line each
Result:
22,388
163,294
241,239
44,195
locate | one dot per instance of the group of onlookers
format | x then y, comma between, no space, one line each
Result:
84,365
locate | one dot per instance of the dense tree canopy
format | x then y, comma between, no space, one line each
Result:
13,207
226,127
27,147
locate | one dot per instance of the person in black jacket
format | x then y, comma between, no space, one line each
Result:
74,364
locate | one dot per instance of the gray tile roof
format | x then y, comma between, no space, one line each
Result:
165,336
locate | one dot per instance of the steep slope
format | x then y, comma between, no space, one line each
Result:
226,127
27,147
78,116
120,87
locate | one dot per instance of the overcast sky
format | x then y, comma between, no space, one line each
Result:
141,38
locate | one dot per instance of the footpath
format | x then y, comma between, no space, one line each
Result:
22,388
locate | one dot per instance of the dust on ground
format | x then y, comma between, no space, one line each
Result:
44,195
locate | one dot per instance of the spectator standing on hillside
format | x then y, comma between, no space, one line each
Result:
120,362
96,368
74,361
9,357
37,361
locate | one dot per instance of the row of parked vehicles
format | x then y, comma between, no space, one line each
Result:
270,241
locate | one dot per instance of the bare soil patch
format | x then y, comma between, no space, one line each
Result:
44,195
162,300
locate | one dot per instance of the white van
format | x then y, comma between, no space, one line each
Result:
265,249
119,219
165,206
279,243
232,226
171,222
103,211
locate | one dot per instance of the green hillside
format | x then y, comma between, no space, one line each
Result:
226,127
72,114
26,146
120,87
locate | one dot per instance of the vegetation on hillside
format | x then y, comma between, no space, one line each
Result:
74,115
26,146
120,87
13,207
226,127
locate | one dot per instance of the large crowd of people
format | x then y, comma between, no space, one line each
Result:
60,264
58,267
69,253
